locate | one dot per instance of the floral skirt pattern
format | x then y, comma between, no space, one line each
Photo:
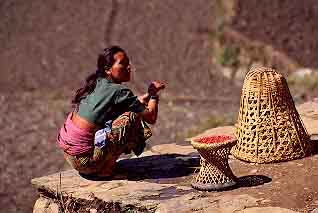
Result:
129,133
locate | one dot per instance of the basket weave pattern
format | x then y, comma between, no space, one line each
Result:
269,128
215,172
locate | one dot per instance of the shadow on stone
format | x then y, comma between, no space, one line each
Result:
157,167
244,181
166,194
168,166
95,177
314,145
151,167
252,180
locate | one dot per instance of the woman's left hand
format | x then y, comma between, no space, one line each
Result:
155,87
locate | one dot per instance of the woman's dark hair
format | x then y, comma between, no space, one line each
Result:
105,61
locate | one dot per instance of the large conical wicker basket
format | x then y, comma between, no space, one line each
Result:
269,128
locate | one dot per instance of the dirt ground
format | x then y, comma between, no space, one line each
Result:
291,185
45,55
288,25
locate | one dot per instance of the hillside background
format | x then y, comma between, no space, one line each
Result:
201,49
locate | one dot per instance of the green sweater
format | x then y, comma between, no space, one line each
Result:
107,102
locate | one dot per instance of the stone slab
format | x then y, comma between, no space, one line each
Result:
160,181
163,189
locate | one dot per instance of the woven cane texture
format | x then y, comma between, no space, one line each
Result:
215,171
269,128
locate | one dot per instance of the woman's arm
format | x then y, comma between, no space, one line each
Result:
150,114
144,99
151,100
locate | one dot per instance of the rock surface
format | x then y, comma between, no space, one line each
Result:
309,114
160,181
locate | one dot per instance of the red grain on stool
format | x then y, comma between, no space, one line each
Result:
214,139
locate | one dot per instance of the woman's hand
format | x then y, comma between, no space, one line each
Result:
155,87
151,112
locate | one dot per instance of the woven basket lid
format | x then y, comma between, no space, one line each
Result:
268,128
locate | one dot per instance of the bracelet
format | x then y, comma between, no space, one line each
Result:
155,97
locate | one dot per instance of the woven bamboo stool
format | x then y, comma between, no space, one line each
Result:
269,128
215,172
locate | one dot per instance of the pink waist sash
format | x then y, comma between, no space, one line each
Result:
74,140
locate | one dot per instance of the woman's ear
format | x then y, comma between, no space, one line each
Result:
108,72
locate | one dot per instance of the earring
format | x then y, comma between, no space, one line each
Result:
109,72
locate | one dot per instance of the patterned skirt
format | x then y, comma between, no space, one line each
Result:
128,134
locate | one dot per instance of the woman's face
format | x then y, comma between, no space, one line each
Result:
121,69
